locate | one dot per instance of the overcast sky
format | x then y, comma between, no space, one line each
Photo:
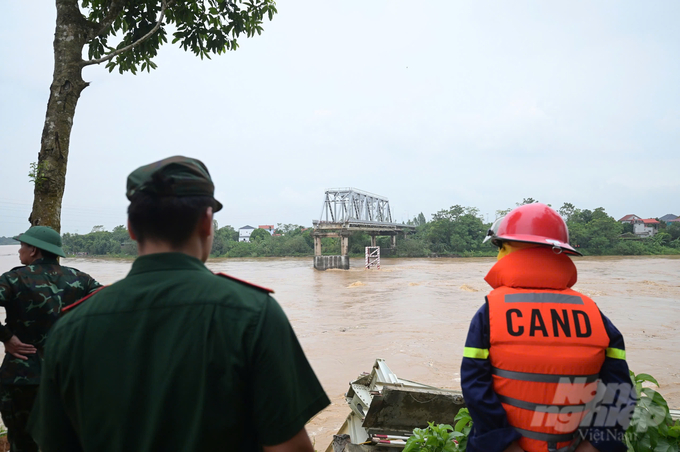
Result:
429,103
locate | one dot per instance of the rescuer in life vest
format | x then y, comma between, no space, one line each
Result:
537,351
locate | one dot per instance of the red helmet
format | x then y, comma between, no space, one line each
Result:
533,223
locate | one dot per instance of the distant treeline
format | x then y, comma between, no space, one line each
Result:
457,231
8,241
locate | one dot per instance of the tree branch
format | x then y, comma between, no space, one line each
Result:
115,9
115,53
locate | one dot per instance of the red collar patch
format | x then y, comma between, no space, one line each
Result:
65,309
265,289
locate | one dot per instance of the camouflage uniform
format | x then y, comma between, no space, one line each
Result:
32,296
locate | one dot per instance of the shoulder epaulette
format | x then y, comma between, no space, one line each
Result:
18,268
265,289
65,309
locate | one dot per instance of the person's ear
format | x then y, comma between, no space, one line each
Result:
206,223
132,234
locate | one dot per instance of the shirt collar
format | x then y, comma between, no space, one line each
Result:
166,261
45,261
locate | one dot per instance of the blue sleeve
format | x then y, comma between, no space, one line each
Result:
491,431
612,417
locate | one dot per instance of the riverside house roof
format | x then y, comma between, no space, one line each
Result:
630,217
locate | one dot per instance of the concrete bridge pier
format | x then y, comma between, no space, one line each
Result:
317,245
393,244
322,262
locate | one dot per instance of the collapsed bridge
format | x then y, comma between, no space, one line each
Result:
346,210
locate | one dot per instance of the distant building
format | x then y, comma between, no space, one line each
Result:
267,227
668,217
629,219
677,220
645,228
244,233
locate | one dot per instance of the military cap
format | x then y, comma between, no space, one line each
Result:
174,176
44,238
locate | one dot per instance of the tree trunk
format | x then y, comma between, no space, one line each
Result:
67,83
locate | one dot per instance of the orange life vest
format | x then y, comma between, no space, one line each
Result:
547,345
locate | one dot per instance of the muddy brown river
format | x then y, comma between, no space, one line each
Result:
414,313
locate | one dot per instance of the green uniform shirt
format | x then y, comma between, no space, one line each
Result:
174,357
33,297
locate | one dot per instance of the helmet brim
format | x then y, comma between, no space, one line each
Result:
40,244
565,247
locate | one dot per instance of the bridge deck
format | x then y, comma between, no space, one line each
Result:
349,226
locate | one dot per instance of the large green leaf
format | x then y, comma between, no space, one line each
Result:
639,378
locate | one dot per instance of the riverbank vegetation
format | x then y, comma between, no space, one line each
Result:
651,426
457,231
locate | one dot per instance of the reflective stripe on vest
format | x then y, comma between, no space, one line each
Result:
544,378
616,353
477,353
543,297
566,409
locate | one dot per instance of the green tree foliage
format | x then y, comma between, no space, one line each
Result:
202,27
593,230
457,231
651,427
100,242
295,242
258,235
567,210
224,240
287,229
527,201
442,437
124,35
418,220
673,229
627,228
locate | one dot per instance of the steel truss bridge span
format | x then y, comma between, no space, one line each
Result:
346,210
349,205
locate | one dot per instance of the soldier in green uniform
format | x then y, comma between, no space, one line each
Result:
33,296
174,357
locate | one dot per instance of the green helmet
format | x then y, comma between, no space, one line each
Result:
44,238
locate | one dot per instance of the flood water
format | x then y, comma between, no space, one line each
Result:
414,313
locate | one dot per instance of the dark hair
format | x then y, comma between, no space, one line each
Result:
169,219
47,254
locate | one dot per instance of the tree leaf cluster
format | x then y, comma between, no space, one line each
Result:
457,231
442,437
100,242
296,241
205,27
651,427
